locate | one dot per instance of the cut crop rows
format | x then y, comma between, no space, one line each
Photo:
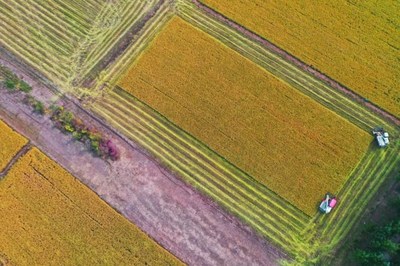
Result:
64,40
111,73
234,190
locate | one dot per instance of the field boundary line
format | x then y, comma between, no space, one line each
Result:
296,61
206,152
275,64
197,184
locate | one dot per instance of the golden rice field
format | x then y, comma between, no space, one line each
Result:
282,138
354,42
48,217
10,143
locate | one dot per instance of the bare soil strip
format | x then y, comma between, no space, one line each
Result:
185,222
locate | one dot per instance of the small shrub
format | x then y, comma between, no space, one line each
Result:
66,117
23,86
113,151
10,84
77,135
39,108
69,128
95,147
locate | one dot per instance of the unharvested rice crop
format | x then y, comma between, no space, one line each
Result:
282,138
48,217
354,42
10,143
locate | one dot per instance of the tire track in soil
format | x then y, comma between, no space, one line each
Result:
15,158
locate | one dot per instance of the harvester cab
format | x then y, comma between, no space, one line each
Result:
327,204
382,137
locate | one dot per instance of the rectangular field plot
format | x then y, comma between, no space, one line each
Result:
48,216
354,42
282,138
10,143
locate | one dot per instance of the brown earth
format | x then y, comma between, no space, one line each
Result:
185,222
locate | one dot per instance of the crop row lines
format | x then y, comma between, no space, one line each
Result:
339,223
131,13
382,163
111,74
50,18
306,83
255,191
22,42
52,31
65,43
219,188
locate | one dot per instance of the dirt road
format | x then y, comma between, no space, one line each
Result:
186,223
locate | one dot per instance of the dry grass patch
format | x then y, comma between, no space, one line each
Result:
354,42
282,138
10,143
48,217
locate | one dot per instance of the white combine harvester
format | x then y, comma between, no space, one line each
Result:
382,137
327,204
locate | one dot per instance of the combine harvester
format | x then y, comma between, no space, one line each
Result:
382,137
327,204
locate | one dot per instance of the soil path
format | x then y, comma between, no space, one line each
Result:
185,222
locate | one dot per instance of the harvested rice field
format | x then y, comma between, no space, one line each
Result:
10,143
354,42
282,138
66,40
49,217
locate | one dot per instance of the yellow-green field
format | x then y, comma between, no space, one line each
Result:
66,40
282,138
48,217
354,42
10,143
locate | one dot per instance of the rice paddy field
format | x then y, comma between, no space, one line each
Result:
247,128
354,42
66,40
48,217
301,235
10,143
245,114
